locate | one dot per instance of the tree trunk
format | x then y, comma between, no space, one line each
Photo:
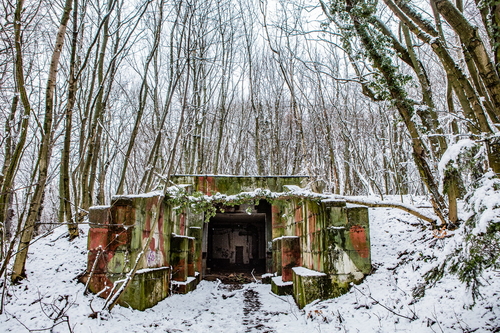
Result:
471,38
427,115
11,164
65,211
18,269
405,107
142,100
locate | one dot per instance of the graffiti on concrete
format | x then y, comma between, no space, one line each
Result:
328,239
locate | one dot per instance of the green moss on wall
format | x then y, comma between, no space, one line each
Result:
146,289
307,289
281,288
231,185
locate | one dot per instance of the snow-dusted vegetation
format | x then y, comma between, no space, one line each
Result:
389,300
392,104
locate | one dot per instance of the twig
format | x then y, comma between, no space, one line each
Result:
291,308
41,329
387,308
20,322
437,320
85,291
254,275
284,300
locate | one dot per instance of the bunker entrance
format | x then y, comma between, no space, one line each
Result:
237,242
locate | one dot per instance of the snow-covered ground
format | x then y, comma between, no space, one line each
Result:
402,251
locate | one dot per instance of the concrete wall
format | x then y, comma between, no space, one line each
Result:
227,241
116,237
229,185
333,239
323,236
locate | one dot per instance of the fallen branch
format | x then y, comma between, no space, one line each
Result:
293,192
254,276
431,218
99,252
414,317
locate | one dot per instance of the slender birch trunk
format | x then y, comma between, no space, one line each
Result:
18,269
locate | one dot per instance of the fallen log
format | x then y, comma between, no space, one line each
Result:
428,217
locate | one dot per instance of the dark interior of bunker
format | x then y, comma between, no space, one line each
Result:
238,242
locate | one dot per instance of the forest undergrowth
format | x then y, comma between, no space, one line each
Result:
399,295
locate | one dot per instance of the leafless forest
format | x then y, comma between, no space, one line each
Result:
103,97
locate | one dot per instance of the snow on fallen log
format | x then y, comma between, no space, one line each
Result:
428,217
295,191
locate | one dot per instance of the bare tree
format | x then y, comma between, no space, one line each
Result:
18,271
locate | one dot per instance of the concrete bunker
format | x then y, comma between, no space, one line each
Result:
310,246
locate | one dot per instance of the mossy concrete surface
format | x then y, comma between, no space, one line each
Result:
325,236
334,240
147,288
308,285
185,286
117,235
196,233
179,257
277,266
229,185
290,256
280,287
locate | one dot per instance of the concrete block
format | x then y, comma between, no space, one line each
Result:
98,238
99,284
191,269
358,248
277,267
183,287
308,286
119,262
337,285
278,222
120,239
337,214
147,288
290,256
357,215
197,234
123,211
266,278
99,216
97,260
179,251
280,287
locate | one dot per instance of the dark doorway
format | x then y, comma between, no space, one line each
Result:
239,255
237,241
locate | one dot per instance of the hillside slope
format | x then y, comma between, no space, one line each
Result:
402,251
